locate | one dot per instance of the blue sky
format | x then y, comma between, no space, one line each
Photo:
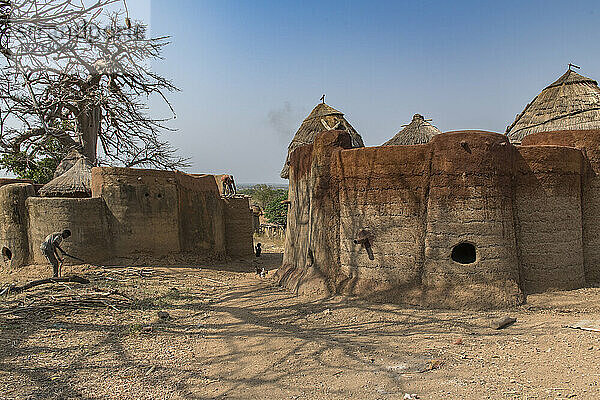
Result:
250,71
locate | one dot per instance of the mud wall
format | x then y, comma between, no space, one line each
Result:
517,211
470,201
142,209
589,143
548,199
238,226
383,191
85,218
14,244
201,216
297,263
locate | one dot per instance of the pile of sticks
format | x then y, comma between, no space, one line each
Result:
68,301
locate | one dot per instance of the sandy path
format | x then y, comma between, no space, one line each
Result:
233,335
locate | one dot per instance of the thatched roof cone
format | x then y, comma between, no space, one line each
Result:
76,182
322,117
572,102
418,131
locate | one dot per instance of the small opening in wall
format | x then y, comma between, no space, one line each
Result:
464,253
6,254
147,194
159,195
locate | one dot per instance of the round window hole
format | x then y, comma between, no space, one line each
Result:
464,253
6,254
147,194
159,195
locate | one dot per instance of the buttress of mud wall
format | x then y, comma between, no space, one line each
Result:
470,204
383,191
85,218
588,142
142,208
297,228
323,254
14,244
238,227
548,203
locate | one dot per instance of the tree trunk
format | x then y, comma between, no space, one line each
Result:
88,128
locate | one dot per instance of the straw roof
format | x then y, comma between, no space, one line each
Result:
322,117
572,102
76,182
418,131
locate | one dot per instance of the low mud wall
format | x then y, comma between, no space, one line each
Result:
14,242
85,218
142,209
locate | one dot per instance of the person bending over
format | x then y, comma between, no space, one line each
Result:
50,248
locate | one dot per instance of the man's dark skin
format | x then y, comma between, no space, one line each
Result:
51,249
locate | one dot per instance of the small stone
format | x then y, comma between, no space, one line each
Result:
458,341
502,322
163,315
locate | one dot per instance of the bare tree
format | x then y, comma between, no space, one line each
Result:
77,75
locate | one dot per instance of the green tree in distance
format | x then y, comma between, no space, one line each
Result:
275,211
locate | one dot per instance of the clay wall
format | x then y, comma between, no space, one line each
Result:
132,211
470,201
14,244
85,218
589,143
8,181
548,203
143,209
238,226
517,211
295,258
201,216
383,190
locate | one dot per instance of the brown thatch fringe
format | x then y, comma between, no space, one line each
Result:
323,117
572,102
76,182
418,131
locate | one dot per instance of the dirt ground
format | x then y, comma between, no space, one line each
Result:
231,334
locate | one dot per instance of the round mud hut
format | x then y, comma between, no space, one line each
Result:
419,131
322,118
570,103
75,182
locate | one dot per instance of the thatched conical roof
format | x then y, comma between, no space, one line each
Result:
322,117
572,102
76,182
418,131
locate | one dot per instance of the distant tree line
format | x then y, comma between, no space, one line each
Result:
269,199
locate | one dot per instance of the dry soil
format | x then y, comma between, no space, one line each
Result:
231,334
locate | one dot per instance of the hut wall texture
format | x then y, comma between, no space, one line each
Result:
201,216
297,265
520,208
470,201
548,203
589,143
131,212
383,191
238,226
14,243
143,209
85,218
